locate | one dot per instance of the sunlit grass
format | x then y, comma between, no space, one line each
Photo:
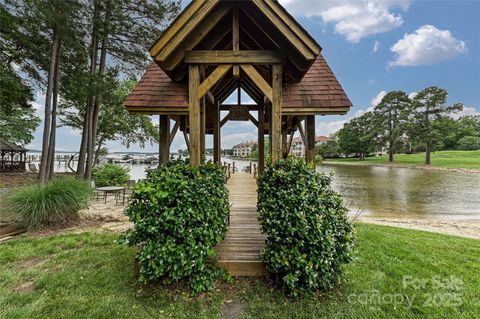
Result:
448,159
89,276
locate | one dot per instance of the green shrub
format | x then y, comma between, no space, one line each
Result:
469,143
309,237
110,175
179,214
57,202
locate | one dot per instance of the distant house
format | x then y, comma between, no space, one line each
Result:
298,148
244,149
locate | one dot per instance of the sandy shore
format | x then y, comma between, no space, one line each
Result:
464,228
395,165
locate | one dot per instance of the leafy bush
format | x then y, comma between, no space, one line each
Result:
469,143
55,203
309,237
180,215
110,175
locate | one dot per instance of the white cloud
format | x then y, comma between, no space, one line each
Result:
352,19
228,141
412,95
427,45
328,128
376,100
467,111
376,46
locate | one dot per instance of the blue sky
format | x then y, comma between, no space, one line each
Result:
372,47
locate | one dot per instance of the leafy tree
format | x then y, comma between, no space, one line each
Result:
389,115
469,143
358,136
426,107
115,124
17,116
329,149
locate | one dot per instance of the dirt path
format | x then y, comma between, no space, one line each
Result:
464,228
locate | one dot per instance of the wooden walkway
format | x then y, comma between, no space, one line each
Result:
240,252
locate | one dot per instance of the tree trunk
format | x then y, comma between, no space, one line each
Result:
53,126
83,145
43,175
98,95
427,153
97,152
390,151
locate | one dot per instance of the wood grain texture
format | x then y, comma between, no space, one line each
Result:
240,251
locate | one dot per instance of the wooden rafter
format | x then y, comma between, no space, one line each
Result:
258,80
234,57
212,79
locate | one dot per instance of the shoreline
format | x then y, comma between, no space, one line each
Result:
468,228
395,165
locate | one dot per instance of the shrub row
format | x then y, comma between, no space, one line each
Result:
179,214
309,237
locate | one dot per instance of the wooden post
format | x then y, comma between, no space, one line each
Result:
164,144
194,115
203,112
261,139
310,147
216,135
284,142
277,70
236,38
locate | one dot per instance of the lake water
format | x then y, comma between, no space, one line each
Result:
392,192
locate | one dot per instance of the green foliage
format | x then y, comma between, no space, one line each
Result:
52,204
469,143
328,150
110,175
180,215
358,136
309,237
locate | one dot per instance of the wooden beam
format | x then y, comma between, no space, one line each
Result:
217,150
259,81
164,143
212,79
224,120
194,115
302,132
252,119
203,118
181,30
277,79
174,132
236,38
291,36
310,145
196,37
251,107
210,97
183,128
234,57
261,139
284,142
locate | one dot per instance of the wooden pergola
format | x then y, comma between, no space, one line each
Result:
215,48
12,157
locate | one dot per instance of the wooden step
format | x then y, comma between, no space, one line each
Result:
244,268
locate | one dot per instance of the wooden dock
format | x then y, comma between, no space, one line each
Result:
240,252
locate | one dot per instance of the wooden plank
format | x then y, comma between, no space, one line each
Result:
196,37
310,145
164,143
194,115
285,30
277,80
225,120
212,79
182,30
203,118
236,38
294,26
234,57
258,80
172,30
252,119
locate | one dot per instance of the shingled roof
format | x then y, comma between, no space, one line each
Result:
7,146
319,92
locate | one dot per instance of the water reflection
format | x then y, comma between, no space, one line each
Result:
397,192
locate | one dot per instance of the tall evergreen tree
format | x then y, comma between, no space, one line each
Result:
389,115
426,107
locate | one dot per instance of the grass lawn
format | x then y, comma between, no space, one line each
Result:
449,159
89,276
